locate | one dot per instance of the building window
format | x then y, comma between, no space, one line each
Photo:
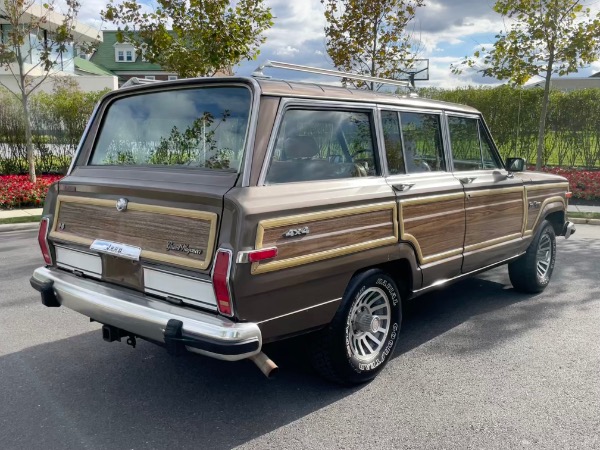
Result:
172,77
150,77
120,56
129,55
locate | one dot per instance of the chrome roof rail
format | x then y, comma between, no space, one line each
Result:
258,73
134,81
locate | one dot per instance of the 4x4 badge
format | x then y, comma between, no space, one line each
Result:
296,232
122,204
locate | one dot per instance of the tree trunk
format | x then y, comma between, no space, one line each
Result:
544,113
28,139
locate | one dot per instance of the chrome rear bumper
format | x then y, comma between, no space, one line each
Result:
146,317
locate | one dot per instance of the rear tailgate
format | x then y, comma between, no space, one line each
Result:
173,223
142,206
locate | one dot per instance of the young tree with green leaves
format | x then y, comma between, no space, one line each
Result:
192,38
34,46
544,38
369,36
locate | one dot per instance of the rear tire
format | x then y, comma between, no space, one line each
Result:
362,336
531,273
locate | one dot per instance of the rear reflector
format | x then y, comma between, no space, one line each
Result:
221,282
261,255
569,195
43,240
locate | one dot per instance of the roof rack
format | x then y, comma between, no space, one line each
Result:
135,81
258,73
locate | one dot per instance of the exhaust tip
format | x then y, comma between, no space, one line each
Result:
265,365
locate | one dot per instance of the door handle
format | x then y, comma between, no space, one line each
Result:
467,180
403,187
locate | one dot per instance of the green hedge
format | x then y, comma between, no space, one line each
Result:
573,127
58,120
572,137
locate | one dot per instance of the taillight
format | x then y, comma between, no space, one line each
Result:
43,240
569,194
220,278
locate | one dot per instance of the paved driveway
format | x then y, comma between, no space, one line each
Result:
478,366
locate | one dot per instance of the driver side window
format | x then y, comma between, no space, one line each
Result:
316,145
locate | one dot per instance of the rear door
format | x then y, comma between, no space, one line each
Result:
430,199
494,199
142,206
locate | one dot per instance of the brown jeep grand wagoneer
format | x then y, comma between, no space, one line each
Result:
216,215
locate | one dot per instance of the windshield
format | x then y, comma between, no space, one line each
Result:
201,127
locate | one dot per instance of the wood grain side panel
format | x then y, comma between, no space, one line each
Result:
541,197
492,217
331,233
435,228
145,227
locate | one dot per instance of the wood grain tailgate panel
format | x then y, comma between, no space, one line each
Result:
149,227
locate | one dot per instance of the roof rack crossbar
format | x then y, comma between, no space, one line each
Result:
334,73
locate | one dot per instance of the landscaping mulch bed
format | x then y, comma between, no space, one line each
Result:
16,191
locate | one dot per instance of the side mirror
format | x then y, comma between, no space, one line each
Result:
515,164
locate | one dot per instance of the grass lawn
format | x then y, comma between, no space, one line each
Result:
24,219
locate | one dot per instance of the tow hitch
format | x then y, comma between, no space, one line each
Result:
111,334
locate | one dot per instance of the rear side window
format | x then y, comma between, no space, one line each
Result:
201,127
322,145
423,147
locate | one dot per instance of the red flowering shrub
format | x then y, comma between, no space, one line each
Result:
585,184
16,191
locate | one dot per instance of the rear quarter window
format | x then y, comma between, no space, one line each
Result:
316,145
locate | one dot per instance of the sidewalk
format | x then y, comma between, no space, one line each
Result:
584,209
11,213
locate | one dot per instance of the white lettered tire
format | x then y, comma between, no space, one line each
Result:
361,339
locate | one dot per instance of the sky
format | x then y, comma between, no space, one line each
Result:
448,31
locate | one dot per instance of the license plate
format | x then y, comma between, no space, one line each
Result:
117,249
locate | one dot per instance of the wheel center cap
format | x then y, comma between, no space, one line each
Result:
367,323
375,324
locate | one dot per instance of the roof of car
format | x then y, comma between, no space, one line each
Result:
287,88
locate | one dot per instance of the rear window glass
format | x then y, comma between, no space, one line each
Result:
203,127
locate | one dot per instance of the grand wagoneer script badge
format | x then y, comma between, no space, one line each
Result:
183,248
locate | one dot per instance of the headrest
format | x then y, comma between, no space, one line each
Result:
297,147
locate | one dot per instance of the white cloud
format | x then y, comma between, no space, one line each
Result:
288,50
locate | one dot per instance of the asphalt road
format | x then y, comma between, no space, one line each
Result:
478,366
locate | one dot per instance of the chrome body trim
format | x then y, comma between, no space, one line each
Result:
145,316
301,310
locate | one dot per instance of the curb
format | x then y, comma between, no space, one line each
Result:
21,226
585,221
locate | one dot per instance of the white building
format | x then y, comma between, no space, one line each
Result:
65,66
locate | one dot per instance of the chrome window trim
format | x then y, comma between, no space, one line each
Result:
290,102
